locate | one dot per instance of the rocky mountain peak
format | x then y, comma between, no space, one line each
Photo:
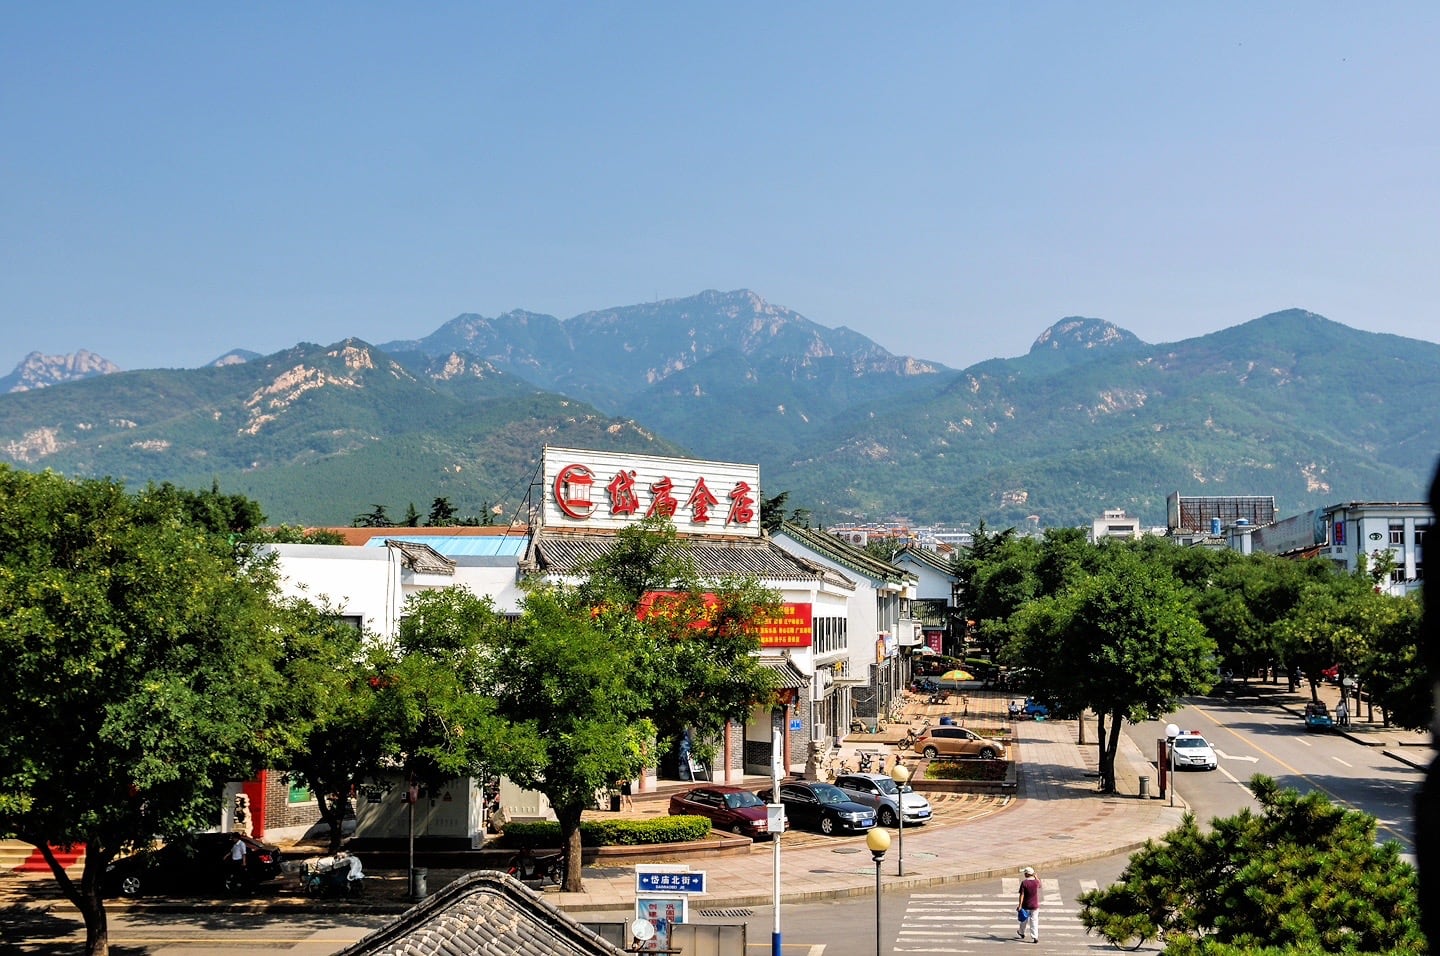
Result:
37,370
1078,332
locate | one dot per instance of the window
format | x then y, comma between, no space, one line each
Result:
1397,532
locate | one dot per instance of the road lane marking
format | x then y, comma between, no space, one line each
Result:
1342,762
1379,826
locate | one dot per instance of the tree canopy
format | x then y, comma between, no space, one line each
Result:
1303,876
141,647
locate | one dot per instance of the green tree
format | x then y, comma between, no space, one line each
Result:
442,513
377,517
1391,671
292,534
432,709
325,710
212,510
1124,642
593,679
412,517
141,653
567,677
1333,623
1301,876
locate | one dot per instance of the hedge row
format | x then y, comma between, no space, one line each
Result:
967,770
622,832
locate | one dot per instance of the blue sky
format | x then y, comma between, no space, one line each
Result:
180,179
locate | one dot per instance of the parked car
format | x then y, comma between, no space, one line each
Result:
885,797
195,864
822,806
1331,673
1193,752
728,808
956,742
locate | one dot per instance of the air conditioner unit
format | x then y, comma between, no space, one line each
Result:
819,732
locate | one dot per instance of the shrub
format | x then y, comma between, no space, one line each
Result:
967,770
626,832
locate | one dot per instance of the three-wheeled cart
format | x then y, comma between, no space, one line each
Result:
338,875
1317,716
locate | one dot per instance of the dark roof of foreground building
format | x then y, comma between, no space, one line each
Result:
485,912
571,553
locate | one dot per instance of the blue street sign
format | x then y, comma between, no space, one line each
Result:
685,882
795,724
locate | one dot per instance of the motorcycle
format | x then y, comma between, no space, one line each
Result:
529,866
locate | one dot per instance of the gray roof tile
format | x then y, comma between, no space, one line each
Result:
485,912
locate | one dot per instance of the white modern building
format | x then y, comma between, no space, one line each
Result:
1114,523
869,672
1381,531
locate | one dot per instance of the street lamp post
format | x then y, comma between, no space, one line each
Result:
877,841
1171,732
901,775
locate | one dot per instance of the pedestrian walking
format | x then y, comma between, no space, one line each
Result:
626,794
1028,910
1342,713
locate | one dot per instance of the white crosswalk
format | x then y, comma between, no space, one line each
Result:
982,918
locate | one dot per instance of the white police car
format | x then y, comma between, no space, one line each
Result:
1193,752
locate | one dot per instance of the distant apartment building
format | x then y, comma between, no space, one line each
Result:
1114,523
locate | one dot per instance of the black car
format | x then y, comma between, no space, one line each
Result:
197,863
822,806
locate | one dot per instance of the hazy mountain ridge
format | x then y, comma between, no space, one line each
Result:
1290,404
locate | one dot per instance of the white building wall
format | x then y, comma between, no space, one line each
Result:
862,608
363,582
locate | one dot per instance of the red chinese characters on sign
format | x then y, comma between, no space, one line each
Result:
790,628
742,505
701,501
623,500
663,501
572,491
575,487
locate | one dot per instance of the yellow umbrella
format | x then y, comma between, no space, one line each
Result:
957,675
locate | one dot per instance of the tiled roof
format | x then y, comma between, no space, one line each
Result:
787,674
485,912
713,558
929,558
422,557
842,552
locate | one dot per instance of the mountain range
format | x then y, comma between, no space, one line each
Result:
1290,404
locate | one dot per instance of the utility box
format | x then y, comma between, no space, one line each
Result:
453,812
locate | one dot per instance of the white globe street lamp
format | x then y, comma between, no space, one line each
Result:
901,775
877,841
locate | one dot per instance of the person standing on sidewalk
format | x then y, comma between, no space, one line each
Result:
1030,903
1342,712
